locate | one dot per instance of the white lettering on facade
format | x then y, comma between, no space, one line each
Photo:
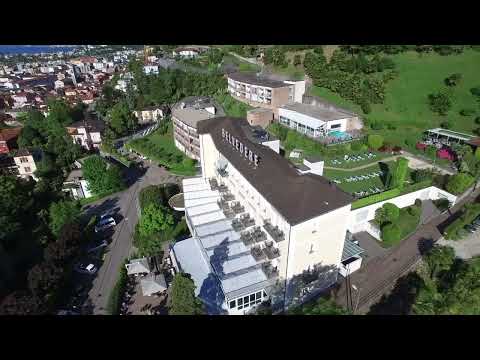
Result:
239,146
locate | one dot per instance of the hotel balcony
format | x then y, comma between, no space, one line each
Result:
228,213
213,184
271,251
228,196
258,234
222,188
257,253
274,232
269,270
238,208
237,225
247,238
246,220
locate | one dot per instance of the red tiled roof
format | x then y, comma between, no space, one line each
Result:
9,134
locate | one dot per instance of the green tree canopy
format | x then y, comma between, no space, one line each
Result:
182,297
458,183
391,233
388,213
122,119
440,102
63,212
322,306
400,173
101,176
155,218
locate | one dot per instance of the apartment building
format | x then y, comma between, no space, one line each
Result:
185,116
87,133
25,161
260,91
261,228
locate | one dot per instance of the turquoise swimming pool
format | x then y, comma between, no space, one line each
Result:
339,134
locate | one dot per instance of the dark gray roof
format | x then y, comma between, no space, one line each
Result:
257,134
313,158
275,177
91,124
253,79
302,167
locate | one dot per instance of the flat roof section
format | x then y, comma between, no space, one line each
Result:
213,228
452,134
200,194
193,180
240,282
228,249
201,201
196,187
318,113
202,209
228,266
253,79
226,237
207,218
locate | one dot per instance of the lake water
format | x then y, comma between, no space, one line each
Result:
32,49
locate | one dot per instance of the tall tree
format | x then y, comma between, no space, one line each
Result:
63,212
182,298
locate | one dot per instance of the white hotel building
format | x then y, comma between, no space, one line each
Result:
261,229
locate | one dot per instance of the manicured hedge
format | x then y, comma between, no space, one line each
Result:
369,200
115,297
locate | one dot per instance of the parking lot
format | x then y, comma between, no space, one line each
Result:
469,246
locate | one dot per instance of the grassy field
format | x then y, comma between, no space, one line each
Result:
161,148
353,164
406,106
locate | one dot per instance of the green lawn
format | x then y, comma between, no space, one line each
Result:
406,107
362,185
232,106
161,148
353,164
407,223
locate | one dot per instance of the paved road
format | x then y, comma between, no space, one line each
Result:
122,240
379,274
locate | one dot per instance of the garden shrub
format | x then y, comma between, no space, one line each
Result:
375,141
391,233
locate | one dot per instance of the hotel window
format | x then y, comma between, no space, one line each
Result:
232,304
23,160
336,126
27,169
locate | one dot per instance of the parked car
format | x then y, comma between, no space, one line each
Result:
470,228
97,245
85,268
104,224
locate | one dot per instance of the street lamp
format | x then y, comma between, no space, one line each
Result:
358,297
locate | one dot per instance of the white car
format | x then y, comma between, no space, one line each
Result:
86,269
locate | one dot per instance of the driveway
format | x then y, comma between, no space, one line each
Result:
122,240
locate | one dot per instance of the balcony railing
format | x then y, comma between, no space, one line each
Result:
238,208
213,184
246,220
269,270
237,225
274,231
228,213
257,253
247,238
259,235
271,251
222,188
228,196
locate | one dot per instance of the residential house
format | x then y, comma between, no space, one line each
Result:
26,162
87,133
8,139
76,185
149,114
